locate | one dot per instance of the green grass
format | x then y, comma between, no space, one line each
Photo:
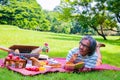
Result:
59,44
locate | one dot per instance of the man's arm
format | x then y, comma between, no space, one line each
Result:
72,55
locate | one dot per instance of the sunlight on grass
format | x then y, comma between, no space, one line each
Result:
59,45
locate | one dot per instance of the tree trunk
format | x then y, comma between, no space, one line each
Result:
101,34
118,17
104,37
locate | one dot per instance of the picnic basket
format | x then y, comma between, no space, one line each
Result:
15,63
24,50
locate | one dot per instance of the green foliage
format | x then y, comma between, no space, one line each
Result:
71,16
113,6
89,16
24,14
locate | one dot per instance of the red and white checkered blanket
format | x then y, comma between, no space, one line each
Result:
62,61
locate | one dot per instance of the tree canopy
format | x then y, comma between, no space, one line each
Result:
25,14
95,14
71,16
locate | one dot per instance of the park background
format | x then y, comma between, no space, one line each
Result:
25,22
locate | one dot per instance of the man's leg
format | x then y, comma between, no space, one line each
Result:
99,60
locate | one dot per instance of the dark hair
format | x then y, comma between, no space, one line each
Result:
92,44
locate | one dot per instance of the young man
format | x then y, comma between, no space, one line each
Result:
88,52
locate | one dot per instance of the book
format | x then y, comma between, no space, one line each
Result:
79,65
72,66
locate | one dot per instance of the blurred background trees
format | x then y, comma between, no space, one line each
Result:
94,17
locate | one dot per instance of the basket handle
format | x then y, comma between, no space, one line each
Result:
5,49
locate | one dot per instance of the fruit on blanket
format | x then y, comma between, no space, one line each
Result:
42,63
37,69
46,62
28,68
32,68
42,68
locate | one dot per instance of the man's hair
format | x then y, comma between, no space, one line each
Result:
92,46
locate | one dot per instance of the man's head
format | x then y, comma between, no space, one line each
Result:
87,45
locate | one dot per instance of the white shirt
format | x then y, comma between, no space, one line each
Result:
89,61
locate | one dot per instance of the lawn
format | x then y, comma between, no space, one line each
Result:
59,45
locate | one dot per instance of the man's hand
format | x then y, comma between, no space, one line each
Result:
73,58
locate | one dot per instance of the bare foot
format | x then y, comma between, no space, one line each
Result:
100,44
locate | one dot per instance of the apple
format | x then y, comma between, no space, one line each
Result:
10,55
46,62
16,58
8,58
28,68
37,69
32,68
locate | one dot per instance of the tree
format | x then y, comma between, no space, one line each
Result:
25,14
91,16
4,2
114,7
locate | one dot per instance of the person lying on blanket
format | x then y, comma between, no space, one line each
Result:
88,52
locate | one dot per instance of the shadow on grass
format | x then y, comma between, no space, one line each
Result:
78,37
65,37
109,41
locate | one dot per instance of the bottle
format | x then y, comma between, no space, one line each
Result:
45,48
29,63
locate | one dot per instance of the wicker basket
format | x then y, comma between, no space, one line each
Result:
15,63
24,51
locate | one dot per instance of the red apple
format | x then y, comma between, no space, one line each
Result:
37,69
10,55
28,68
16,58
8,58
33,68
46,62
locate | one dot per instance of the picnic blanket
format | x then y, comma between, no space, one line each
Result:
62,61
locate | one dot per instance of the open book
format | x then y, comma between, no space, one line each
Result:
79,65
72,66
